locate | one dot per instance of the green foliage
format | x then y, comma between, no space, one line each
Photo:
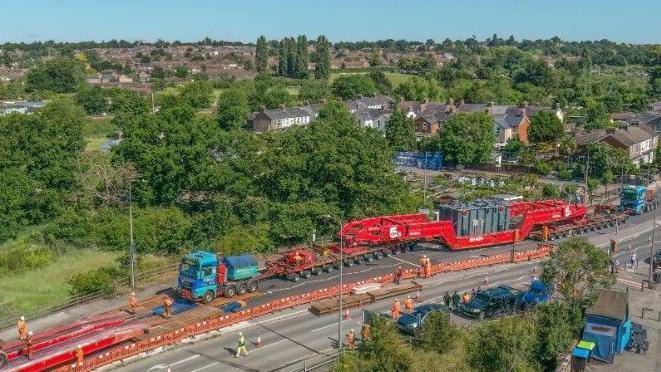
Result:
438,334
97,281
93,100
555,333
545,127
381,81
577,268
468,138
400,132
244,239
313,90
181,72
262,55
352,86
605,158
385,351
419,89
550,191
197,94
22,258
302,57
70,226
323,62
505,344
128,101
57,76
233,109
11,90
543,168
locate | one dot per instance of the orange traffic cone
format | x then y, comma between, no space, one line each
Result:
346,314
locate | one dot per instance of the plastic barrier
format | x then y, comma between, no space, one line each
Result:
123,352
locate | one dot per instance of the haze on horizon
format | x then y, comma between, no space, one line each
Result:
634,21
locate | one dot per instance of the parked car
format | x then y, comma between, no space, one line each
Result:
409,323
491,302
537,293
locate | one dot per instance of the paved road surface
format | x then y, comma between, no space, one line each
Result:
289,337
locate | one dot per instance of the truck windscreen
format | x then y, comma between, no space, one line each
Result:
188,267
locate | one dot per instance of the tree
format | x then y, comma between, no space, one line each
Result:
313,90
545,127
596,116
292,58
93,100
505,344
437,334
233,109
323,65
348,87
577,268
385,351
418,89
262,55
283,61
57,75
400,132
555,332
197,94
302,57
181,72
468,138
383,84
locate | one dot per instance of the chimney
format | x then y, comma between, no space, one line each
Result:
262,108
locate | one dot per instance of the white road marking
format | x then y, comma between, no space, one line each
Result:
320,328
207,366
164,366
265,346
404,261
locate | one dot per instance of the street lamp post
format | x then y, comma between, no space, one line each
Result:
131,241
649,277
339,310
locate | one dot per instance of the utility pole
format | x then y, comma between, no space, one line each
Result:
651,271
424,192
131,242
587,171
341,264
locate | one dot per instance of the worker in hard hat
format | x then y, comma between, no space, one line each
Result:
365,332
427,268
351,339
79,354
395,309
28,345
22,328
398,274
408,305
447,298
466,297
167,306
241,348
133,303
423,264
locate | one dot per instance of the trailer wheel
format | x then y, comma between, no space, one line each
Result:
294,277
243,288
369,257
208,297
328,268
316,270
414,247
229,291
348,263
404,248
387,253
306,274
378,255
253,285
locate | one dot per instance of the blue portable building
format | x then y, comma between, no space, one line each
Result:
608,324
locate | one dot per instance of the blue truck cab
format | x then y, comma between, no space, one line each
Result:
203,275
638,199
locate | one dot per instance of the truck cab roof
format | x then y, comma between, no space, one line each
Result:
202,257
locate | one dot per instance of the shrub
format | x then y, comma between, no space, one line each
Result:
70,226
24,257
566,174
543,168
101,281
550,191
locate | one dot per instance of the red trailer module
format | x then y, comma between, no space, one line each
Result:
392,230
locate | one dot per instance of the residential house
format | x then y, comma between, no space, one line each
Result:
375,103
651,118
20,107
123,79
432,117
639,141
372,118
508,127
283,118
532,111
109,76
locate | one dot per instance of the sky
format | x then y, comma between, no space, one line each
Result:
631,21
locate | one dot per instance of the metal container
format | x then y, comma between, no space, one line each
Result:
478,218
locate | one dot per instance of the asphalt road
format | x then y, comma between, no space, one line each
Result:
289,337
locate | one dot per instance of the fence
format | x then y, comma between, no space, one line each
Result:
290,302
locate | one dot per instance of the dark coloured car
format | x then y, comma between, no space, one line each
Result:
491,302
408,323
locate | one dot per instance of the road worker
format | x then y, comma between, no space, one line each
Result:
242,346
351,339
28,345
398,275
22,328
365,332
298,257
427,268
167,306
395,309
467,297
456,299
79,354
133,303
423,265
408,305
447,299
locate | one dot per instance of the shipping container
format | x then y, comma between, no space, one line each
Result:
477,218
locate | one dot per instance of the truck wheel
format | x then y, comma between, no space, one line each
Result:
294,277
369,257
3,359
229,291
413,247
378,255
387,253
208,297
348,263
252,286
243,288
316,271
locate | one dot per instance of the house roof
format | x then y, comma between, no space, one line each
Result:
628,136
472,107
632,117
286,113
507,121
374,101
610,304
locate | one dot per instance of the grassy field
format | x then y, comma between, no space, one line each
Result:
96,132
39,289
396,78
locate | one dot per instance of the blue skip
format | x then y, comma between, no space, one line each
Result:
180,305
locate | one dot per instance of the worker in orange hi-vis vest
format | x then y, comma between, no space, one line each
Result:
428,268
79,354
167,307
408,305
351,339
395,309
365,332
423,264
22,328
133,303
28,345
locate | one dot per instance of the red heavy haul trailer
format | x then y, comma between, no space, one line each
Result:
410,228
